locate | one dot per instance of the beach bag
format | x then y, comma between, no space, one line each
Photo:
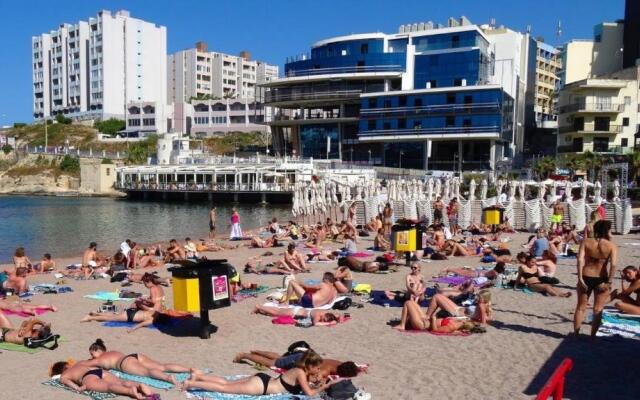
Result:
342,304
343,390
297,347
362,288
44,343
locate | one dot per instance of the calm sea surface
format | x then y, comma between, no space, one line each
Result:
64,226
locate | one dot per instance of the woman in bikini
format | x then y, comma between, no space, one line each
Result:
30,329
135,363
25,308
594,256
14,280
364,266
480,312
294,381
318,317
144,311
414,319
255,265
81,377
20,260
414,287
528,274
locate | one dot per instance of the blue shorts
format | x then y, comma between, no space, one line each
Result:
290,361
306,301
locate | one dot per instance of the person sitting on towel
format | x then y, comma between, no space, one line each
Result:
628,304
380,242
415,287
313,296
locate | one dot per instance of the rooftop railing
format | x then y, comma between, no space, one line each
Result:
592,107
344,70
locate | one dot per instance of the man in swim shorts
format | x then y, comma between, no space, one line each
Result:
556,217
313,296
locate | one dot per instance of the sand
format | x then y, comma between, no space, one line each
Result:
528,338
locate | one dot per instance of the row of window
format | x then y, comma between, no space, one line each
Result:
433,99
205,120
450,121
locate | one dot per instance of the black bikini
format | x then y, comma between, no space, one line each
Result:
131,313
293,389
134,355
265,378
97,372
593,282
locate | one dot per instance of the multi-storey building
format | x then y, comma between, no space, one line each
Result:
599,115
428,96
92,69
201,74
631,36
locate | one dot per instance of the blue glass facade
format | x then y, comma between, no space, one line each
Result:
455,112
375,62
313,140
449,69
450,41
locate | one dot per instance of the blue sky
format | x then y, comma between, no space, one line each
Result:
273,29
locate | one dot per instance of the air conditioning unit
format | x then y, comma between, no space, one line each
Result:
464,82
428,85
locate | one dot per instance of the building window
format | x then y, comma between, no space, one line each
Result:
364,48
451,98
455,41
600,144
468,99
417,125
387,104
108,171
450,121
433,84
457,82
402,124
601,124
578,124
371,125
624,142
148,122
386,126
466,122
372,103
417,102
625,121
134,122
402,101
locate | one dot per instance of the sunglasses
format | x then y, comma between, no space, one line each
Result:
415,268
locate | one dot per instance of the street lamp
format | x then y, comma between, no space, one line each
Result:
46,134
351,151
369,156
401,153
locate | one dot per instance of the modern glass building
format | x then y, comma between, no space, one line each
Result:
422,98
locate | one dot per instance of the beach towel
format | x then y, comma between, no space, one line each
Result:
414,331
93,395
38,311
248,293
362,254
616,324
155,383
106,296
362,288
203,394
50,288
18,348
451,280
124,324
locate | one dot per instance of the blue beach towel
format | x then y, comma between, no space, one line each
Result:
378,298
156,383
106,296
93,395
203,394
124,324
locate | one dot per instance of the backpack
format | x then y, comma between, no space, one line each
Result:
296,346
35,343
343,390
342,304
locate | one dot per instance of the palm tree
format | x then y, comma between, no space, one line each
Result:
634,160
545,166
592,162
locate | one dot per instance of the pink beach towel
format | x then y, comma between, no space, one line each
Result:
39,311
284,320
361,254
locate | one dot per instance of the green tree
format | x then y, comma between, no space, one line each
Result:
545,166
110,126
61,119
138,152
70,164
634,163
6,149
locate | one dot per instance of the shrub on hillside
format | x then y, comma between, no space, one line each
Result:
110,126
61,119
70,164
7,148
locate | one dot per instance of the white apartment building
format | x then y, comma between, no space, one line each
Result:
547,84
93,69
199,73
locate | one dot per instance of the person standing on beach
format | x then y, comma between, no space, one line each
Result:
556,217
594,256
236,231
386,214
212,222
452,213
438,206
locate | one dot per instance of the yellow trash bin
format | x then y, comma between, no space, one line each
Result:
186,294
493,215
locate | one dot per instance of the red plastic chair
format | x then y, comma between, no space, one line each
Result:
555,385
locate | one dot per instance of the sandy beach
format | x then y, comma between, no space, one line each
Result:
512,360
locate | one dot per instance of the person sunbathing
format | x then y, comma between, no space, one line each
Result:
255,265
455,249
135,363
45,265
474,273
414,319
257,242
212,245
364,266
344,279
312,296
547,268
322,255
528,275
294,381
143,311
32,328
174,252
317,317
346,369
25,308
331,229
81,377
92,259
14,280
147,259
414,287
372,225
626,303
479,312
380,242
293,259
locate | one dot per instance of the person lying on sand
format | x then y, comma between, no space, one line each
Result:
257,242
313,296
414,319
26,308
212,245
81,377
255,265
32,328
474,273
414,287
143,311
45,265
317,317
346,369
455,249
294,381
480,311
135,363
354,264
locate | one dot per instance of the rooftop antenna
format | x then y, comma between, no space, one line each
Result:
529,29
492,22
559,31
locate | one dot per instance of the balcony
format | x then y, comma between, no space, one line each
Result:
436,109
344,70
592,107
477,132
592,128
276,97
611,149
